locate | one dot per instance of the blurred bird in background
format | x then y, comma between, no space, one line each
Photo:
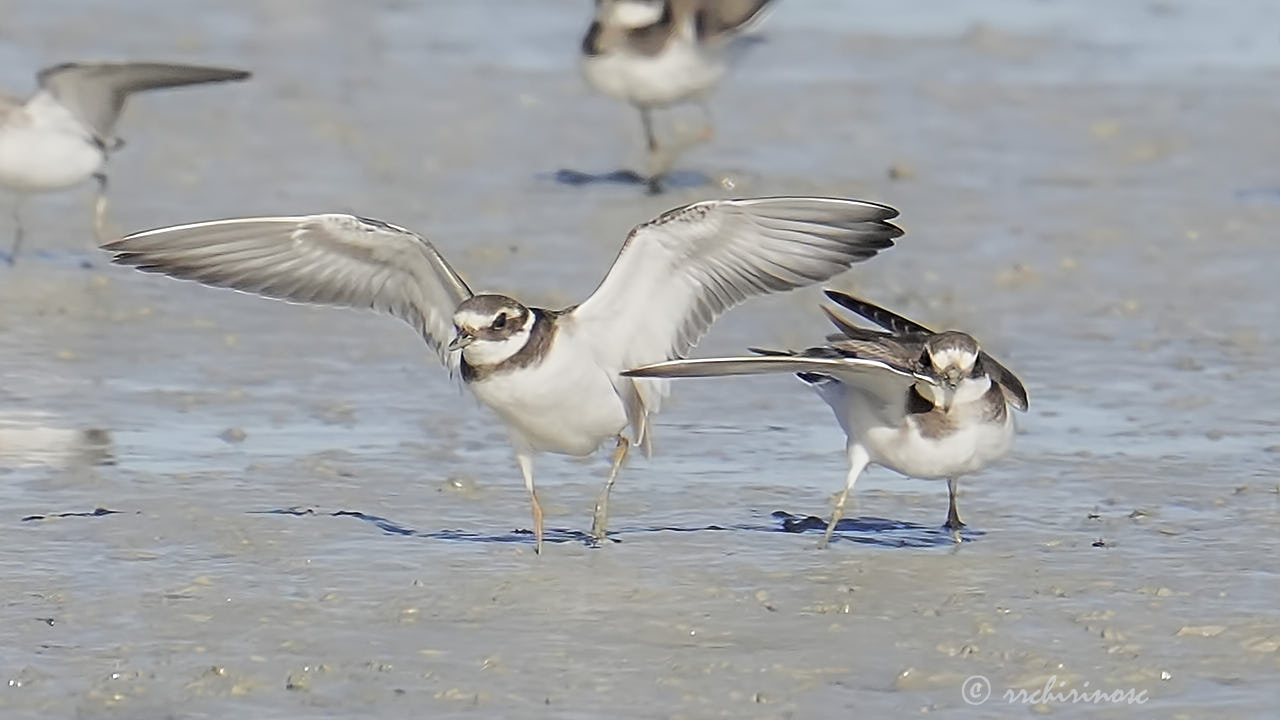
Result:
658,53
62,135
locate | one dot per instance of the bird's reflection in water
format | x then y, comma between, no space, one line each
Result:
38,439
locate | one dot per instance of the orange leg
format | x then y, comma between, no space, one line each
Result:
601,516
858,460
526,469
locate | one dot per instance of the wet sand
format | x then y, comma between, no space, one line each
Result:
311,520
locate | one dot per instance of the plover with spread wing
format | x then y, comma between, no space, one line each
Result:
552,376
62,135
927,404
656,53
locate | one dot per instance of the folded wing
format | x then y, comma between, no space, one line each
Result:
1014,392
338,260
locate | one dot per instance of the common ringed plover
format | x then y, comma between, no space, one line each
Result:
926,404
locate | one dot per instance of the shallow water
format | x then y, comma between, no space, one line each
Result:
310,519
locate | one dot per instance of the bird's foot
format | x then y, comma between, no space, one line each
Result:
598,525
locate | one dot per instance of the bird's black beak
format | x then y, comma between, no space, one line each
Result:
461,340
950,381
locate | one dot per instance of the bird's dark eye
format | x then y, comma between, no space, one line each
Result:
500,321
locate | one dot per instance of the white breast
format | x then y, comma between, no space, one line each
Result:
968,450
43,147
682,71
565,404
893,439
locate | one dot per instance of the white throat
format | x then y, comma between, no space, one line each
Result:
968,390
971,390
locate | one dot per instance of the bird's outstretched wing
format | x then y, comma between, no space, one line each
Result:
96,92
852,370
676,274
1014,392
338,260
871,377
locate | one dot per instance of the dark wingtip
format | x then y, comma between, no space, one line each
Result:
857,305
883,317
770,353
813,378
56,68
842,299
226,73
848,331
638,372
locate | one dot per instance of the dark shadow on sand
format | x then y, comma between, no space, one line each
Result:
96,512
867,531
1259,195
675,180
83,259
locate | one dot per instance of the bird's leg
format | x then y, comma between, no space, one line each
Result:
18,231
600,518
646,120
953,516
708,126
858,460
699,135
100,209
526,469
657,162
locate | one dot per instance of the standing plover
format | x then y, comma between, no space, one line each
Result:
927,404
63,134
656,53
552,376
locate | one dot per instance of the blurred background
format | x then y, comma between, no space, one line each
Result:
1091,188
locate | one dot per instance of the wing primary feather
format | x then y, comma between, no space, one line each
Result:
886,319
1014,392
850,331
333,259
767,364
